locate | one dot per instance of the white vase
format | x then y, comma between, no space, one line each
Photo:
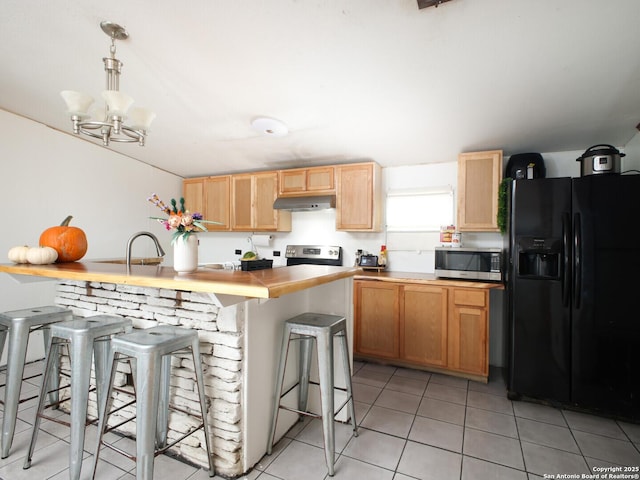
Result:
185,254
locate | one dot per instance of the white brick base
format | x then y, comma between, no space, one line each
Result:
221,351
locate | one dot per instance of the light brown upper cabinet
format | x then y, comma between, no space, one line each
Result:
252,197
358,197
210,197
217,198
479,177
193,193
306,181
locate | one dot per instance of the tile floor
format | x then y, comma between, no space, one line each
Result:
413,425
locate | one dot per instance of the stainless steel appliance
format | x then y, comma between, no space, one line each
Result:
305,204
600,159
469,263
313,255
573,286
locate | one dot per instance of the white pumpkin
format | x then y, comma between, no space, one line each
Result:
18,254
42,255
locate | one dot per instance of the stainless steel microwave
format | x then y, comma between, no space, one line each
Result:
469,263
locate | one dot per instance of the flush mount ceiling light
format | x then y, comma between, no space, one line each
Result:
269,126
112,127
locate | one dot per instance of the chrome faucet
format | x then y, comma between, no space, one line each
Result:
159,249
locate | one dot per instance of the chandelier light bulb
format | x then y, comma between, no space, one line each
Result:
118,103
78,103
141,118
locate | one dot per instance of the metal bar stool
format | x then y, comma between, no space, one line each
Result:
84,338
321,328
152,349
19,324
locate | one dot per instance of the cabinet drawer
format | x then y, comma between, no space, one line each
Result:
476,298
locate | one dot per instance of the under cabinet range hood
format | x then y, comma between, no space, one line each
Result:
305,204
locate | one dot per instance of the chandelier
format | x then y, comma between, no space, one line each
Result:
117,104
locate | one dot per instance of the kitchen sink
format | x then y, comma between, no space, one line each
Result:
134,261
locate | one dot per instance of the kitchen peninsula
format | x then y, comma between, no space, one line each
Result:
239,317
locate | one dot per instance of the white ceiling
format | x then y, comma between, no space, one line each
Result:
353,79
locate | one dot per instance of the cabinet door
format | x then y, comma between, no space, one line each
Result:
265,193
376,327
468,331
423,324
241,202
291,182
357,197
193,193
320,180
217,192
479,177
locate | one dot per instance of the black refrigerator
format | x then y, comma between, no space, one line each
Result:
574,292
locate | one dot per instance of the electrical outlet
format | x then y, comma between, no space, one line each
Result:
276,253
238,251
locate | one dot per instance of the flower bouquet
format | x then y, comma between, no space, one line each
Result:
179,219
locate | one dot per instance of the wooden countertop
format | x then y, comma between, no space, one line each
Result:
268,283
424,278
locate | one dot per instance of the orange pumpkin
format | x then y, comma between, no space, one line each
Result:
69,242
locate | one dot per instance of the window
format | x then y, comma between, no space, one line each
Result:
414,218
419,210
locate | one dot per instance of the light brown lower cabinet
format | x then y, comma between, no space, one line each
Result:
423,323
469,331
438,328
376,319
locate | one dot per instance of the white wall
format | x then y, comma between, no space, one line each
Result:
632,150
48,175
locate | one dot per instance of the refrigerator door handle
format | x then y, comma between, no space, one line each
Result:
577,260
566,258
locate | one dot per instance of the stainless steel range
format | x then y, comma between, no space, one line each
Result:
313,255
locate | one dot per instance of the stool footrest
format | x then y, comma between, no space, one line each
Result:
58,390
125,421
168,446
118,450
341,389
299,412
22,400
186,412
89,421
158,451
31,377
314,415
